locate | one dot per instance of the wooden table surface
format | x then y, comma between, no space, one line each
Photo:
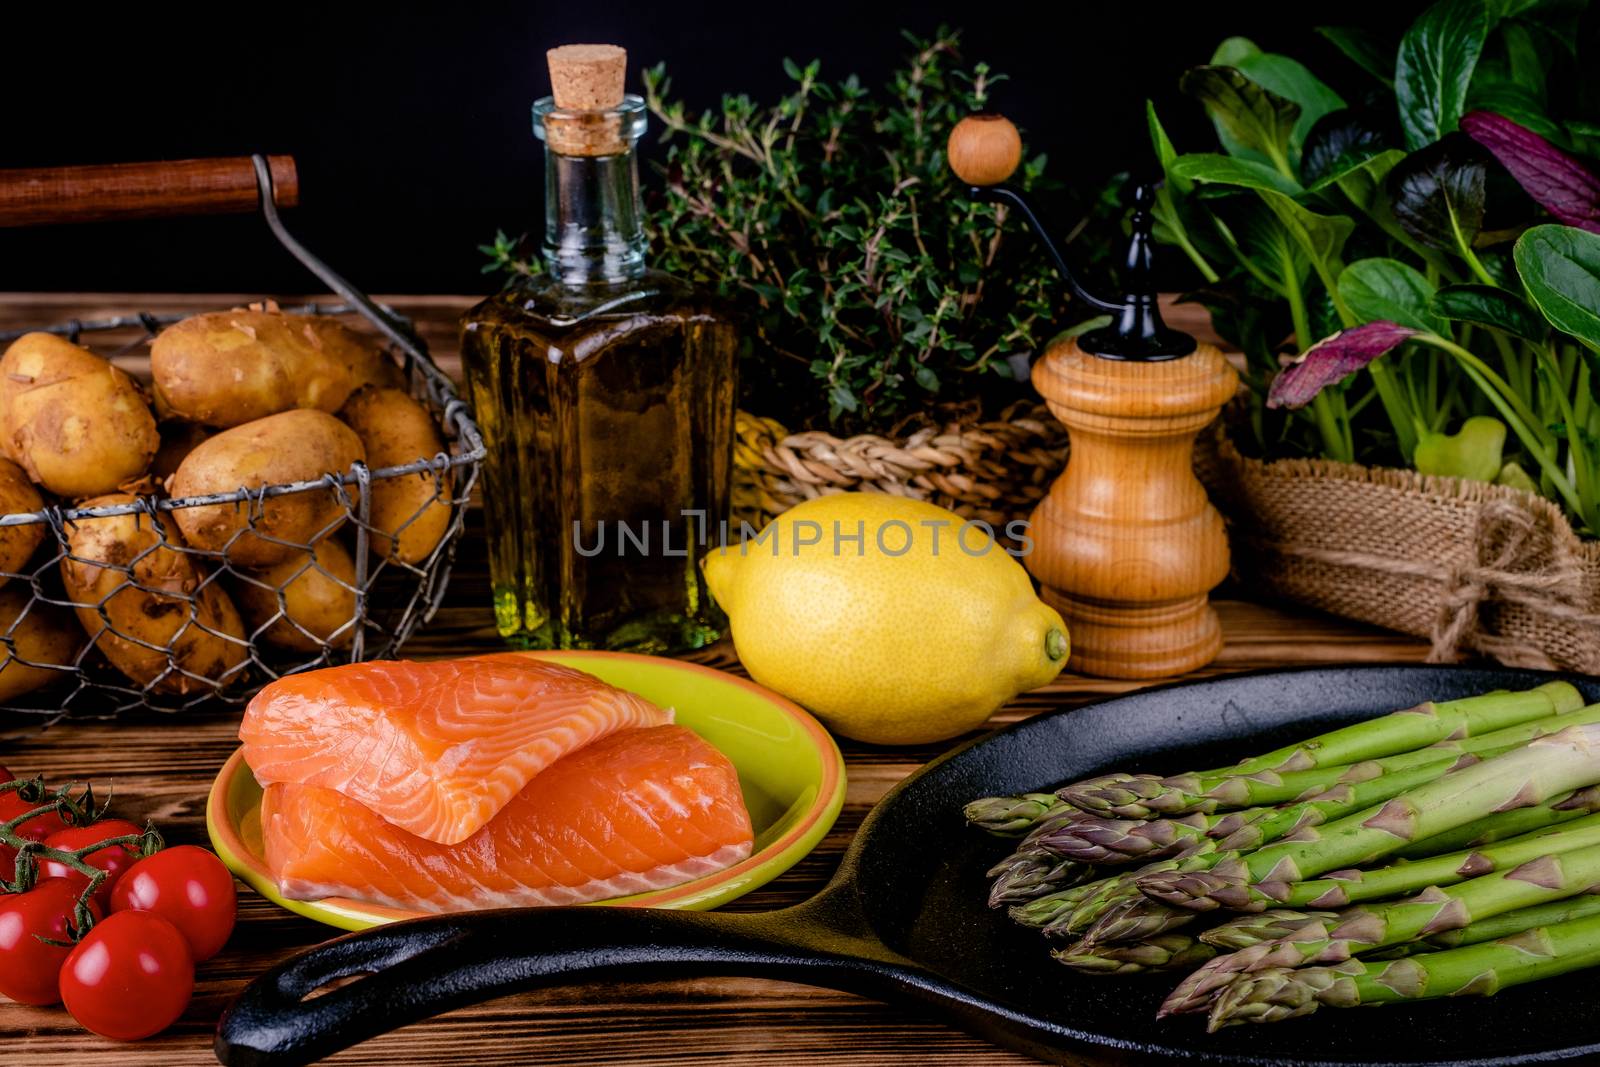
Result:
162,769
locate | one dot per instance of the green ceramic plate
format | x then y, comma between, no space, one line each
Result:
790,769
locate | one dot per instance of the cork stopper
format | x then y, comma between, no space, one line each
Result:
587,77
586,85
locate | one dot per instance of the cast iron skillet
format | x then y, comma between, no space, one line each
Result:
905,920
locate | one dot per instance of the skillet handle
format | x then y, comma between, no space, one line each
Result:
415,969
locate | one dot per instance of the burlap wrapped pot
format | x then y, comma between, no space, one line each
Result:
1475,568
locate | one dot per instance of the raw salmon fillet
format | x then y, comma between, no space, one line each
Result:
637,810
435,748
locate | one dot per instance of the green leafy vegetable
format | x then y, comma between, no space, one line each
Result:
1437,57
1489,305
1340,141
1289,79
1430,227
1388,289
1226,170
1472,452
1437,195
1253,117
1560,265
1363,49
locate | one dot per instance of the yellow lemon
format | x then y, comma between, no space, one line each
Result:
894,620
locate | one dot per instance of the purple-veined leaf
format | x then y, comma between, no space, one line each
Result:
1331,359
1559,183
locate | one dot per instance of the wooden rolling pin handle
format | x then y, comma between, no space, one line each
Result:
50,195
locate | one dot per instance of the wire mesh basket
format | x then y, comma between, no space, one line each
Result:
114,610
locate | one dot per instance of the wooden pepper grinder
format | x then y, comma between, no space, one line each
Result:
1126,546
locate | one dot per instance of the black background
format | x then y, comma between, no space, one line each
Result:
411,127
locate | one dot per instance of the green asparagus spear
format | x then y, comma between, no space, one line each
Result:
1107,893
1168,952
1504,825
1402,731
1513,922
1096,839
1338,802
1022,876
1145,797
1474,970
1014,816
1359,930
1258,927
1137,918
1040,912
1524,776
1248,930
1117,902
1339,889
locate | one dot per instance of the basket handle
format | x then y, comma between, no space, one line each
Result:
49,195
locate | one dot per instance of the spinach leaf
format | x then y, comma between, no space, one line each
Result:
1339,141
1254,118
1226,170
1437,193
1232,50
1387,289
1434,68
1363,49
1174,217
1321,237
1265,249
1363,183
1560,265
1526,56
1162,144
1291,80
1488,305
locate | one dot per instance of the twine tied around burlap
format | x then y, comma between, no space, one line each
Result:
1517,564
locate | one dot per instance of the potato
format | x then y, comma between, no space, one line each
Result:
292,446
109,555
17,496
46,634
397,430
311,598
178,439
76,424
227,368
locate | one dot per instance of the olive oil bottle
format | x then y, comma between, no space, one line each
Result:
605,392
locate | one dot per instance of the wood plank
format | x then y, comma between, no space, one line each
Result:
161,767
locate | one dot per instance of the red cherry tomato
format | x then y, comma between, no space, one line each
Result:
29,968
187,886
114,861
35,829
5,775
131,977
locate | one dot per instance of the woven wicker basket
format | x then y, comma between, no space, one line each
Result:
1478,569
994,471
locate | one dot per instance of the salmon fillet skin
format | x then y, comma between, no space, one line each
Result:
438,748
638,810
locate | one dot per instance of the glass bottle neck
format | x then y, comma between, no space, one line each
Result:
593,218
